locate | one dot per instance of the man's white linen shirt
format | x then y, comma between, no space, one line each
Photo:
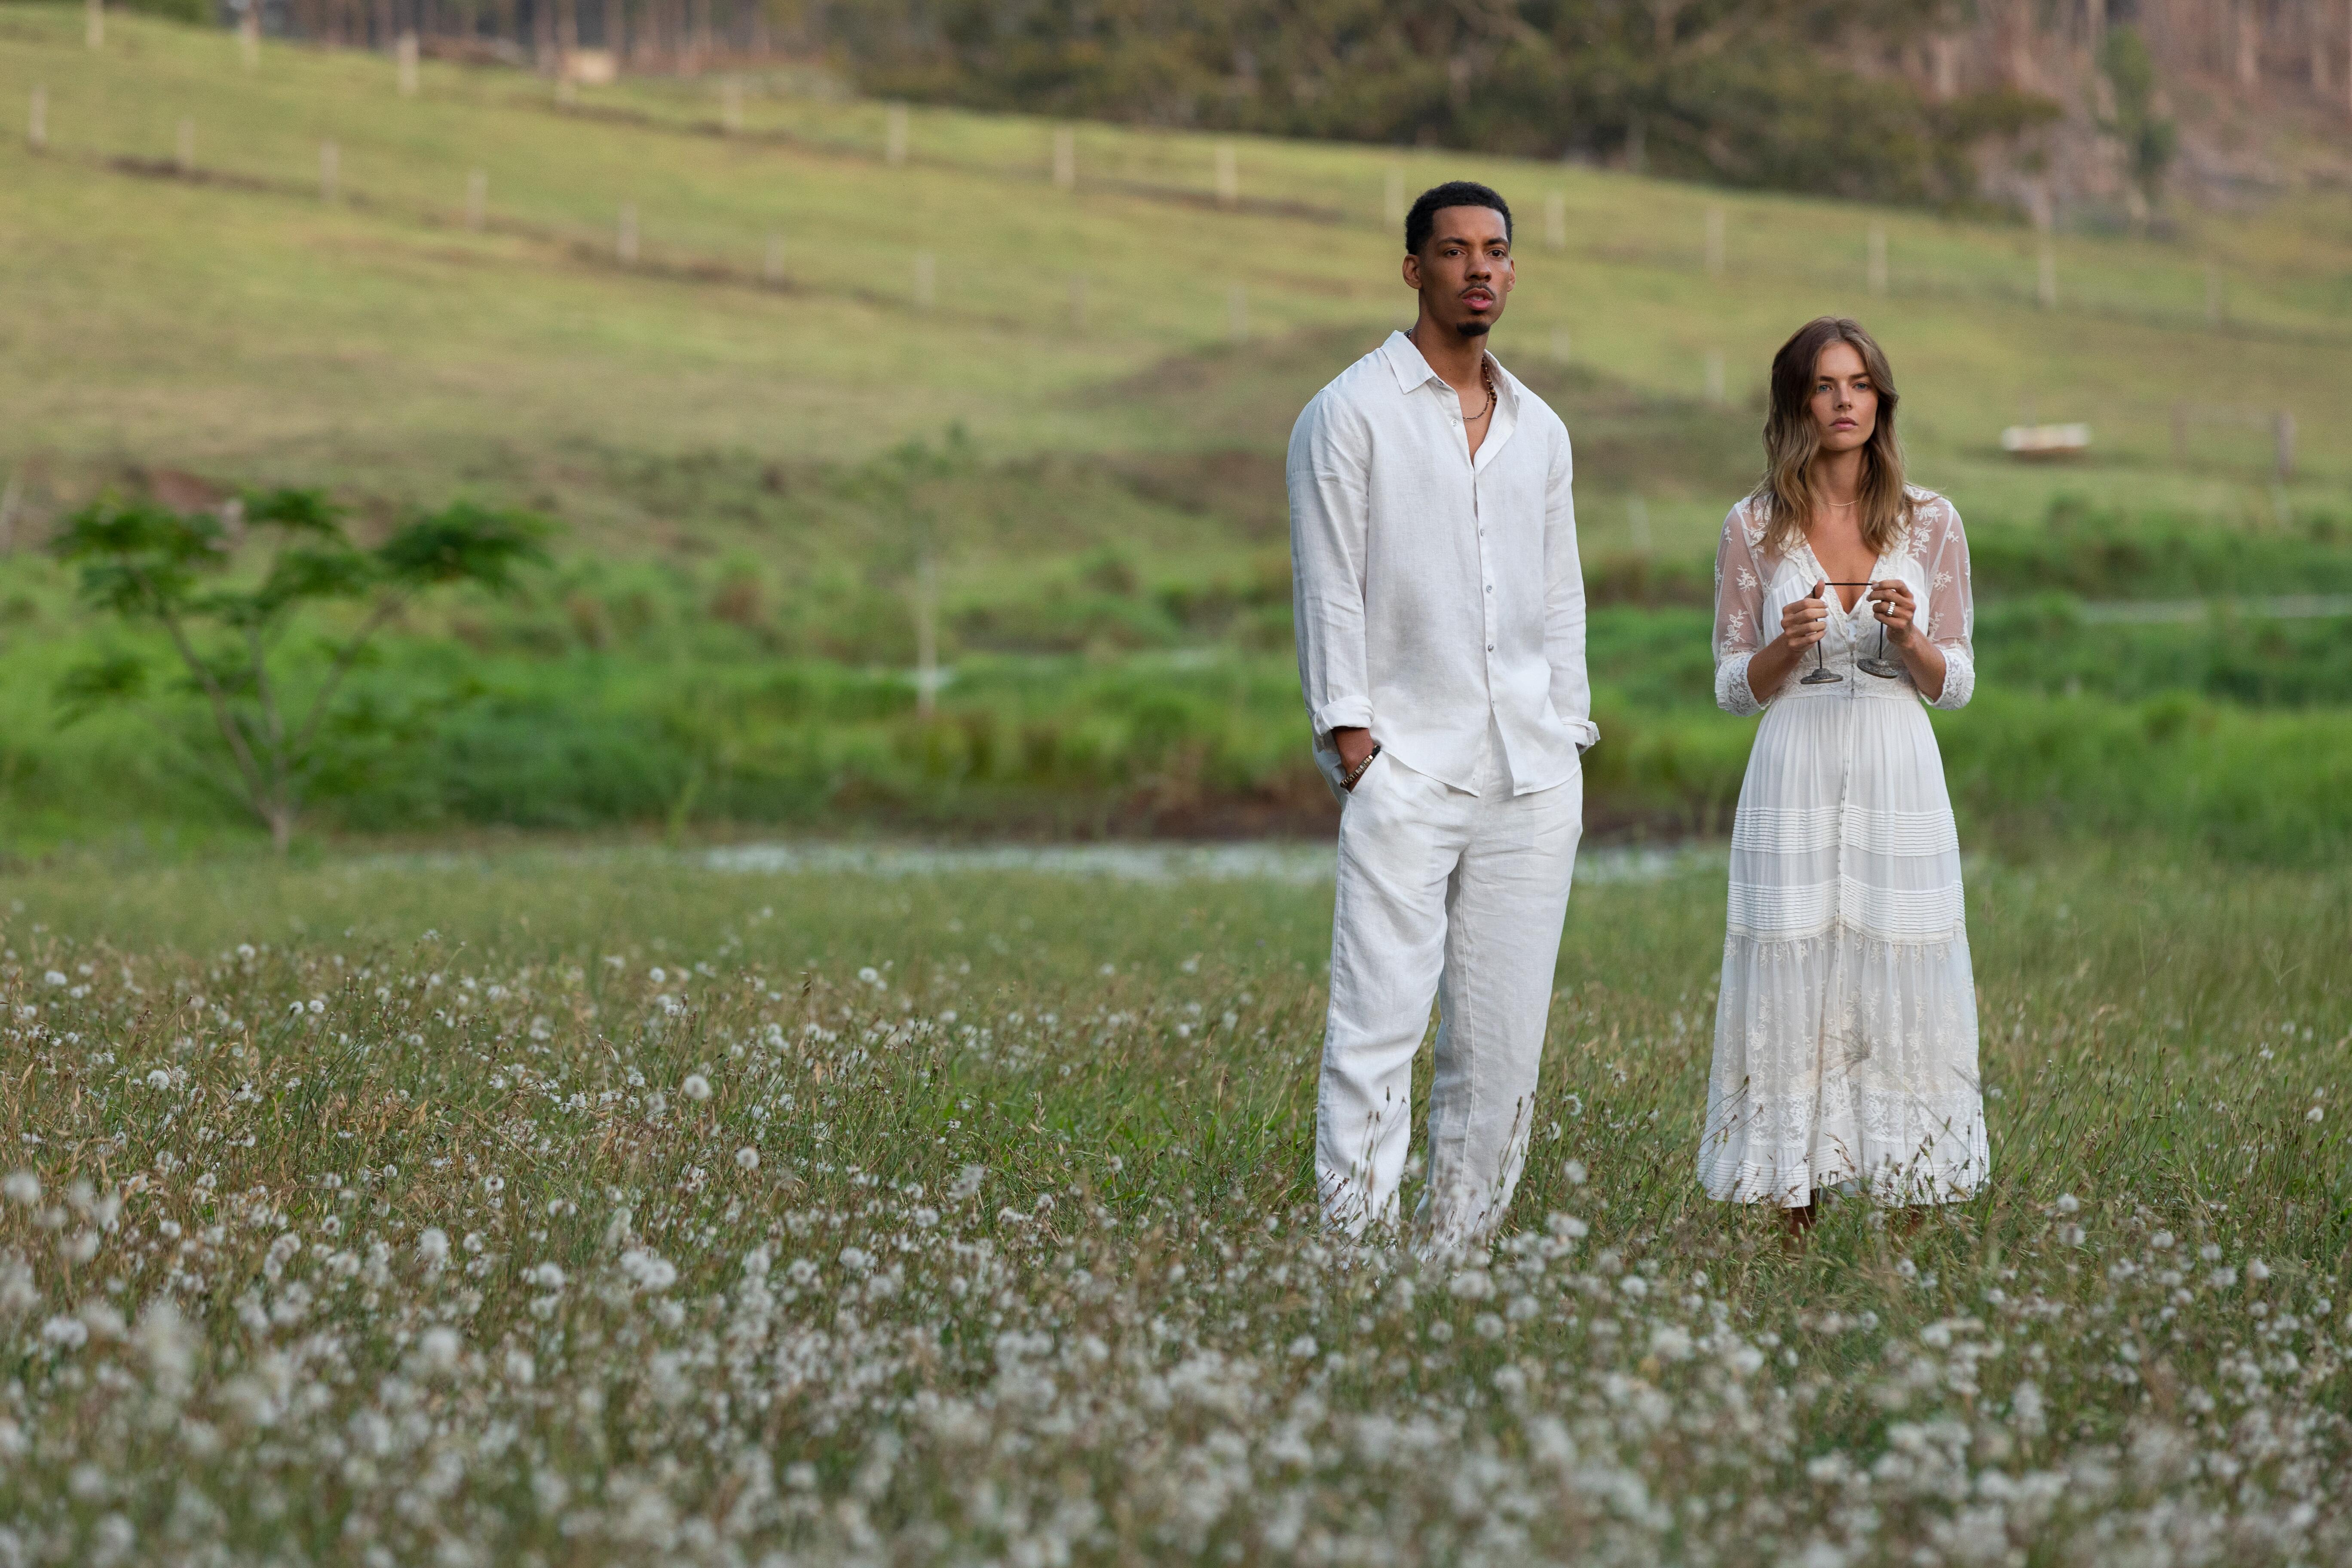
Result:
1435,594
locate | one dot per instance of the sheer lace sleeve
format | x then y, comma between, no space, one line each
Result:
1740,579
1951,615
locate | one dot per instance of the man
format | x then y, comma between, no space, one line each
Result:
1441,647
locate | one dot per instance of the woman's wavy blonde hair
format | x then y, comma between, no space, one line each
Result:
1791,441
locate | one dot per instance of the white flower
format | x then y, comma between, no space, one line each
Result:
1575,1172
433,1245
55,977
650,1269
2067,1203
546,1276
66,1333
1668,1342
159,1078
522,1370
23,1187
696,1086
747,1158
657,974
1303,1347
2315,1114
438,1349
2258,1271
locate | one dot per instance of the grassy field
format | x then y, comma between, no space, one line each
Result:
1103,378
608,1208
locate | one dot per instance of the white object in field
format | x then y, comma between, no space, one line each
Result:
330,169
1556,221
1065,158
404,52
730,105
1229,175
94,24
37,128
183,151
2031,441
478,197
589,67
626,242
894,134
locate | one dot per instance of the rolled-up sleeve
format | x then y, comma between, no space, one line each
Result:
1571,685
1329,456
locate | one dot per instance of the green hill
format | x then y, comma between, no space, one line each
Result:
1122,357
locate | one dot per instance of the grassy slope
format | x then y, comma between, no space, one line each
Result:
680,417
173,321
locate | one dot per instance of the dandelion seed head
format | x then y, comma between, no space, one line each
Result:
747,1158
696,1087
1575,1171
2067,1203
433,1245
21,1187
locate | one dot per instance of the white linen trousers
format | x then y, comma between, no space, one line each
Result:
1459,897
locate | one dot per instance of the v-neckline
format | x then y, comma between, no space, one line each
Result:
1836,599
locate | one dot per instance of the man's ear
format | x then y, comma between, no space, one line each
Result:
1412,271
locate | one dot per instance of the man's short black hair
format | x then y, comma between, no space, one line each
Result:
1422,219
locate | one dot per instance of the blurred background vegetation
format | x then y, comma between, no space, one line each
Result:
808,382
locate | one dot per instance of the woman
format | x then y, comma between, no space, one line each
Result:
1845,1031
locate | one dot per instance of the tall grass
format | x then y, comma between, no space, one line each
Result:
596,1208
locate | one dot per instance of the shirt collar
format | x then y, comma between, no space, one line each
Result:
1412,372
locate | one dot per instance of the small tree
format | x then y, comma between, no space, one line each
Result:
145,563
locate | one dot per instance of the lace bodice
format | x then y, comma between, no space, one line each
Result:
1751,588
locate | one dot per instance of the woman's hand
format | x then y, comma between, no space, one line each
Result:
1802,624
1806,621
1891,601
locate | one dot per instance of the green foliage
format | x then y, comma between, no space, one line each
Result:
2149,139
1733,90
145,563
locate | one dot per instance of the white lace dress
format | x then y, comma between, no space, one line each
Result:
1845,1032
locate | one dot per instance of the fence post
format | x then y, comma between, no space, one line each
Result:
2282,434
331,168
478,197
184,149
1556,221
625,241
2216,301
1229,175
730,105
93,31
248,36
771,266
1065,158
2181,433
405,54
894,134
927,280
2046,289
36,125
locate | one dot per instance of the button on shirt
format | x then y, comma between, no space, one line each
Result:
1436,595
